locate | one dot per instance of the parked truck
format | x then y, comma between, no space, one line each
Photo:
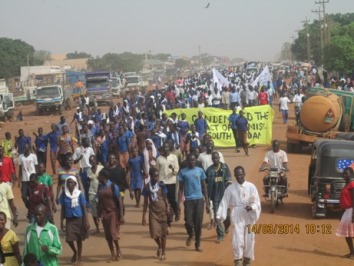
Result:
28,95
7,104
98,85
117,86
52,98
324,114
135,83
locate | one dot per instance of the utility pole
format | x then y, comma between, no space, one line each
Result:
318,12
325,24
306,21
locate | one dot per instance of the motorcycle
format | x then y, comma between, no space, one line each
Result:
275,192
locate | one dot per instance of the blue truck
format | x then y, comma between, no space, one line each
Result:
99,85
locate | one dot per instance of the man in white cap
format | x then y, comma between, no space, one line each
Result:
92,128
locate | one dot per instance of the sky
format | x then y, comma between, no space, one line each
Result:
249,29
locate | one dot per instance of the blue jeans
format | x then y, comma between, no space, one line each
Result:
285,115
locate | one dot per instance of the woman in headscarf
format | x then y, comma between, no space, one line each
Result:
150,154
74,212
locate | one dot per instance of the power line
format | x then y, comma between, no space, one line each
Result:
318,12
326,34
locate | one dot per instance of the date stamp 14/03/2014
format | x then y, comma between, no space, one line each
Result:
284,229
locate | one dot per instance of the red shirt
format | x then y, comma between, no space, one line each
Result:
346,196
263,98
6,169
37,195
169,95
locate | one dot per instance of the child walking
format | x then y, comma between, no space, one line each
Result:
136,167
155,194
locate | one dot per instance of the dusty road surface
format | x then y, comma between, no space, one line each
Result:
293,247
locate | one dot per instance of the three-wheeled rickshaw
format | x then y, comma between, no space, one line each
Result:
325,182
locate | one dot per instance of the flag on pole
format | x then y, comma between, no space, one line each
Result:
220,79
263,78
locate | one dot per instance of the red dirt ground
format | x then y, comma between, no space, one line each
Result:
270,249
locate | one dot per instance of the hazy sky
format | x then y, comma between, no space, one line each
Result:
252,29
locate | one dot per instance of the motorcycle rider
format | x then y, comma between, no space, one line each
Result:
298,101
276,158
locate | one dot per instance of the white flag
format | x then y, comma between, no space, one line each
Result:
219,79
263,78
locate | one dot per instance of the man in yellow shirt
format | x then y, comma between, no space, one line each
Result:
8,145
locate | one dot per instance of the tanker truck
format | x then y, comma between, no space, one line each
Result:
324,114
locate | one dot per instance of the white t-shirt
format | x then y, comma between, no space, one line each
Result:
28,165
298,99
276,159
86,153
284,103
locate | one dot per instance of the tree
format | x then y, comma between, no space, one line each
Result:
77,55
339,55
14,54
338,52
286,52
125,62
181,63
161,57
39,57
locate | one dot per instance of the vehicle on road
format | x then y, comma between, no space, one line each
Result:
98,85
325,113
117,86
7,103
275,192
51,99
135,83
7,106
325,182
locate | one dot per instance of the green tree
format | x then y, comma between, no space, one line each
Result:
77,55
125,62
14,54
338,52
40,56
161,57
339,55
181,63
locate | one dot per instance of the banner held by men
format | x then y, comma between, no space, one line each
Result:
260,120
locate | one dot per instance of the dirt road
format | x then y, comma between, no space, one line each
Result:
293,247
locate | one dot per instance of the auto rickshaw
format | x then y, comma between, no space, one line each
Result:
325,182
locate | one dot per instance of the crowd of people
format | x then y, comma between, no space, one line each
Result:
134,148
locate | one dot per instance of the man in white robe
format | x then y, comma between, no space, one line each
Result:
243,200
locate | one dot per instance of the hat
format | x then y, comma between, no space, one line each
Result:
90,122
77,108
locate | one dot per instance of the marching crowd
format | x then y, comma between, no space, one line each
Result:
134,148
